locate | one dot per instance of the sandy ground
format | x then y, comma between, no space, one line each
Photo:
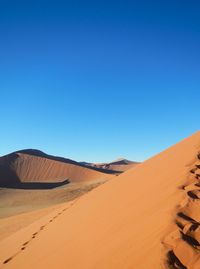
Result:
146,218
12,224
15,201
19,208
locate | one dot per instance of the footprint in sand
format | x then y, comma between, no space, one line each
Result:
42,227
6,261
34,235
189,232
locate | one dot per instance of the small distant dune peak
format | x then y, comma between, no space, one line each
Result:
122,161
119,165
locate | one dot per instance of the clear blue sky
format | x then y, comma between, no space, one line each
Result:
96,80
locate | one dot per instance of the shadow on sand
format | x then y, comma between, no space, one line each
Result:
34,185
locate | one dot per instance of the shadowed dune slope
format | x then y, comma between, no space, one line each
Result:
35,166
125,223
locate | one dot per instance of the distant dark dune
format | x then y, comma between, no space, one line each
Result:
34,185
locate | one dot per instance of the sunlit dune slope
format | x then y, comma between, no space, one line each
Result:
129,222
36,166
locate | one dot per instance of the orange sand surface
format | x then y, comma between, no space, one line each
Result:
28,167
146,218
12,224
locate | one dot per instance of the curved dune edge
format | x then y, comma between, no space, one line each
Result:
19,168
128,222
34,168
184,243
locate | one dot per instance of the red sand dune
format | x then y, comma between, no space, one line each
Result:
143,219
36,166
119,165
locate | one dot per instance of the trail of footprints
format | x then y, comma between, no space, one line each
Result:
184,243
34,235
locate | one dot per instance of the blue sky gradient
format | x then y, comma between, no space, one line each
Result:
96,80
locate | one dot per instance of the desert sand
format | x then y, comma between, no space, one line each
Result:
35,167
16,222
17,201
146,218
31,180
